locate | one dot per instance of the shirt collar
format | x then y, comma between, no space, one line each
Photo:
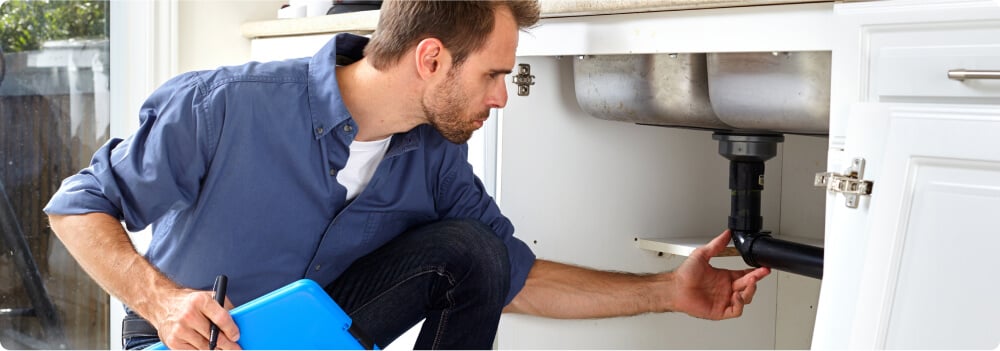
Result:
404,142
325,103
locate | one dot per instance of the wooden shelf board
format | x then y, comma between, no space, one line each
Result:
685,245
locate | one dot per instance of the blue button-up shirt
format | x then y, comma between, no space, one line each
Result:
235,169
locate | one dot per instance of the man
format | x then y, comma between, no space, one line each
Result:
350,170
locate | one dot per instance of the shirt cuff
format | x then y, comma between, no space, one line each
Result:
521,260
80,194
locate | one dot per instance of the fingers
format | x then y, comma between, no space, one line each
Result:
739,299
746,285
221,318
748,276
181,338
228,337
736,306
747,294
715,246
226,344
760,273
188,326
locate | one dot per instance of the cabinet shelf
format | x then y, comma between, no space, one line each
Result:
684,246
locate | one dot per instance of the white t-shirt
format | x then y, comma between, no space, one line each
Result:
361,164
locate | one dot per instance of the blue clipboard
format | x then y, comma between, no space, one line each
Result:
298,316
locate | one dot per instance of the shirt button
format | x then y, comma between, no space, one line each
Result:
319,130
317,267
348,128
333,171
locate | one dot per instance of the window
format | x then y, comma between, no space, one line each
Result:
54,113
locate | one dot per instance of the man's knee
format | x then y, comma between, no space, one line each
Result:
475,248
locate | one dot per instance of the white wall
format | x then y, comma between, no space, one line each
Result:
209,31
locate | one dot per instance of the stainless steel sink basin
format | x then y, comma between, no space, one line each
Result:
783,92
660,89
744,92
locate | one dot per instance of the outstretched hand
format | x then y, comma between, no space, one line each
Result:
704,291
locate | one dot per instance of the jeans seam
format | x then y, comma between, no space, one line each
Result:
448,295
437,270
444,321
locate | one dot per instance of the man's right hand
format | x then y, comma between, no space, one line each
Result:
183,323
102,247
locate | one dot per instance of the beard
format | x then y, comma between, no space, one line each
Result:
444,112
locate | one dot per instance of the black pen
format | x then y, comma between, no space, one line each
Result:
220,296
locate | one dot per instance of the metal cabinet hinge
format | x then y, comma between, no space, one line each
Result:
524,79
850,184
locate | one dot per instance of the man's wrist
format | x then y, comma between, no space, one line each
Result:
663,292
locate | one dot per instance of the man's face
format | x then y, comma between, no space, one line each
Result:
449,110
461,104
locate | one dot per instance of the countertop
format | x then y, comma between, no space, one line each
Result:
365,21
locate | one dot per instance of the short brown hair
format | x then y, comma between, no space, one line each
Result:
462,26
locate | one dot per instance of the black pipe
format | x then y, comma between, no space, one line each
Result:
747,154
746,186
763,250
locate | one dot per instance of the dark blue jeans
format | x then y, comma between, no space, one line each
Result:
453,273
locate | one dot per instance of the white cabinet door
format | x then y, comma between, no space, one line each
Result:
928,277
912,266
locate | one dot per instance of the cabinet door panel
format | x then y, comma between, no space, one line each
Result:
943,246
920,74
910,62
928,279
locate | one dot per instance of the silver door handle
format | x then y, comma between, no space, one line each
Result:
963,74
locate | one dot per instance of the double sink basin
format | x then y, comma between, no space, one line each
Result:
756,92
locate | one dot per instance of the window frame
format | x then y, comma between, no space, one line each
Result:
143,38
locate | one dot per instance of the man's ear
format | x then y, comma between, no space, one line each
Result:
431,57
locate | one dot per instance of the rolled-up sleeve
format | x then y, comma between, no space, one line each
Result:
463,195
158,168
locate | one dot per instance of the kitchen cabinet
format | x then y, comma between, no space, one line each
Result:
610,195
907,266
911,267
586,191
